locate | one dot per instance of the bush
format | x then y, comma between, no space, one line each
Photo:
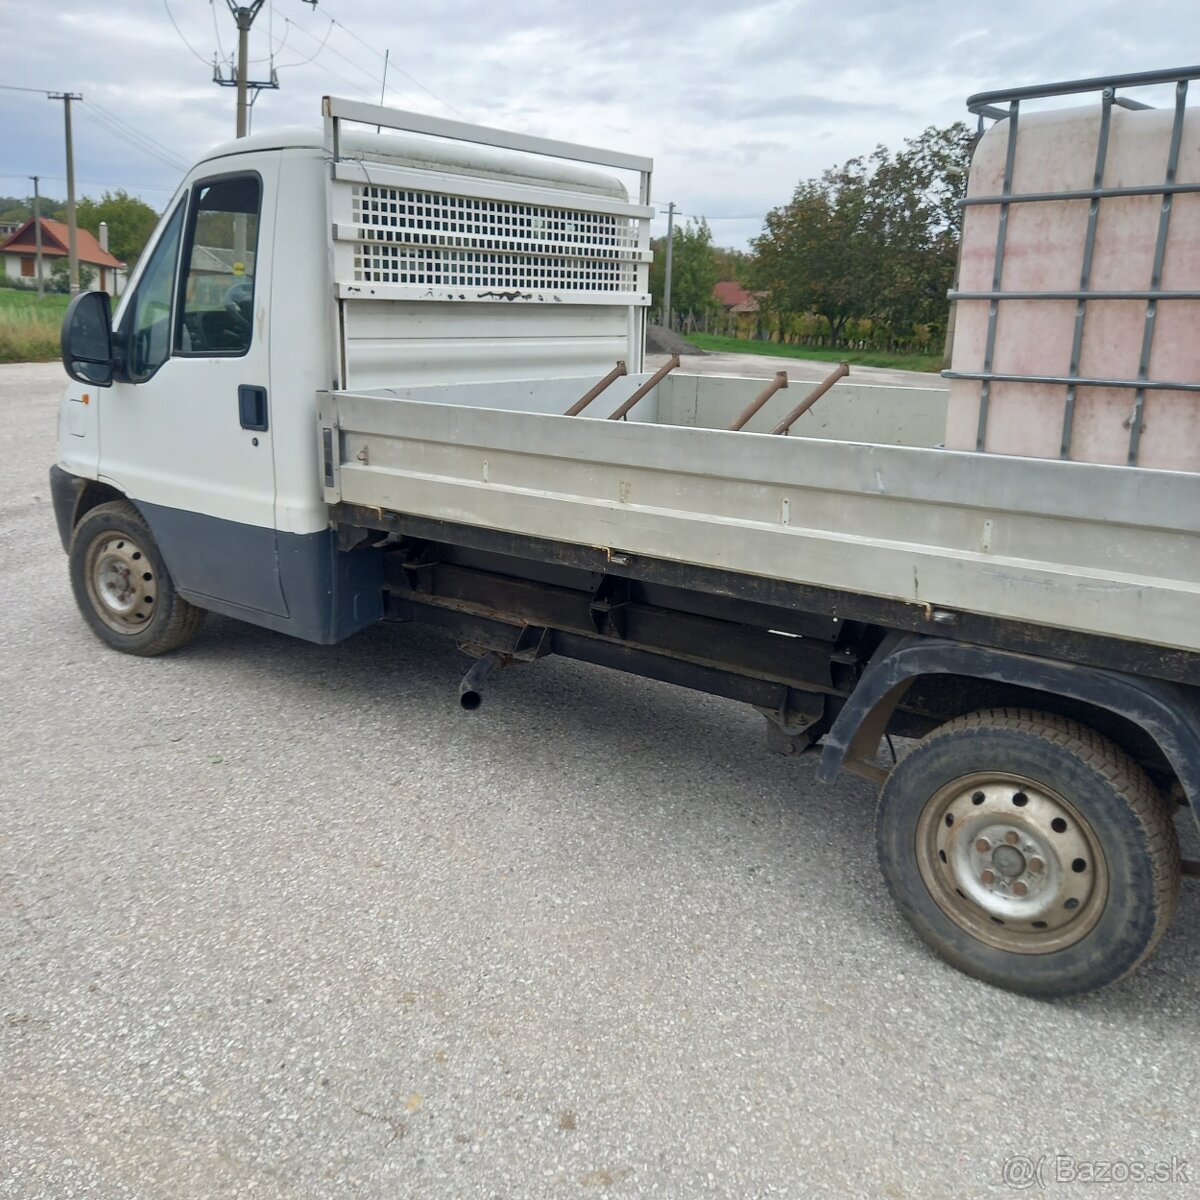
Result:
60,276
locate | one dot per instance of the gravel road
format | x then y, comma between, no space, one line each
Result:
280,920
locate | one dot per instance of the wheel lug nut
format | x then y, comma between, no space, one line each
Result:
983,845
988,876
1019,889
1036,865
1012,837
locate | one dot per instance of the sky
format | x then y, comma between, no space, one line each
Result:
736,102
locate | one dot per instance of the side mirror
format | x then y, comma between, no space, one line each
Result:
87,341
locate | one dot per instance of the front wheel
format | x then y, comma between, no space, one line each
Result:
1029,851
122,586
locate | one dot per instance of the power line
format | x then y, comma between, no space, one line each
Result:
357,87
103,122
324,66
411,78
705,217
332,50
303,61
144,187
216,29
120,127
274,50
375,79
183,39
139,134
115,130
115,126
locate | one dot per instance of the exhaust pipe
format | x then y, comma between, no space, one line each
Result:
472,682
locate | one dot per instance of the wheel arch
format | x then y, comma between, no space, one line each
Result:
74,497
1166,713
92,495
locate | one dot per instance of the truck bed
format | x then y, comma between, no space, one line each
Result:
1099,550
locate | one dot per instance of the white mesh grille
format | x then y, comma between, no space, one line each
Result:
462,241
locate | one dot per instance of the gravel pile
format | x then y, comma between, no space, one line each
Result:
661,340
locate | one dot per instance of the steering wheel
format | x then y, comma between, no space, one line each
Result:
234,298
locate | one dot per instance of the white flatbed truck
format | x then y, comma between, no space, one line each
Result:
361,376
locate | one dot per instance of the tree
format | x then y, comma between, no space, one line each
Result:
732,264
130,222
820,252
18,208
872,241
693,269
917,193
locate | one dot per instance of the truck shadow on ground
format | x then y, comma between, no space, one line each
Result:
710,752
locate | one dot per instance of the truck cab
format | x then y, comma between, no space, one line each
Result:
267,281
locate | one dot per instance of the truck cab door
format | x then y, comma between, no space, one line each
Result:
186,430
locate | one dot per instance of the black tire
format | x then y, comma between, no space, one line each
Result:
1085,817
122,585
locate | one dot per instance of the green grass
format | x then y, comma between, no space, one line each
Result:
865,358
29,325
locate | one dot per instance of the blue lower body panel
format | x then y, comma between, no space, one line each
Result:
294,583
297,583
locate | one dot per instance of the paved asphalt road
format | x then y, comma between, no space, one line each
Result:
281,921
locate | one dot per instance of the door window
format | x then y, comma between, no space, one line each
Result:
150,322
218,297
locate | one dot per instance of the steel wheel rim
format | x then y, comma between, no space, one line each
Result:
1012,862
121,583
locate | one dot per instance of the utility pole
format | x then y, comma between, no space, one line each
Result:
670,249
72,255
243,15
245,18
37,233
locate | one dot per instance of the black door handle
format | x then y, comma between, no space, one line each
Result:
252,407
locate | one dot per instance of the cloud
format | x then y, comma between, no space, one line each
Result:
737,103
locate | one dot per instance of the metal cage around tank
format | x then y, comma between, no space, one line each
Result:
1006,106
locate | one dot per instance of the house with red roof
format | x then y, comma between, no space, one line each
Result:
18,255
734,298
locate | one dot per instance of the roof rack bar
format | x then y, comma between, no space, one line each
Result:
1160,249
411,122
1072,87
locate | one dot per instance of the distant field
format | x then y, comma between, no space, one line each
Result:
864,358
29,325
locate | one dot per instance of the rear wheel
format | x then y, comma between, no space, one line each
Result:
122,586
1029,851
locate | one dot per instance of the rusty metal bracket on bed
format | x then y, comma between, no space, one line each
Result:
646,387
840,372
595,390
780,381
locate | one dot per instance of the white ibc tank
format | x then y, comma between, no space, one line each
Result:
1044,251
